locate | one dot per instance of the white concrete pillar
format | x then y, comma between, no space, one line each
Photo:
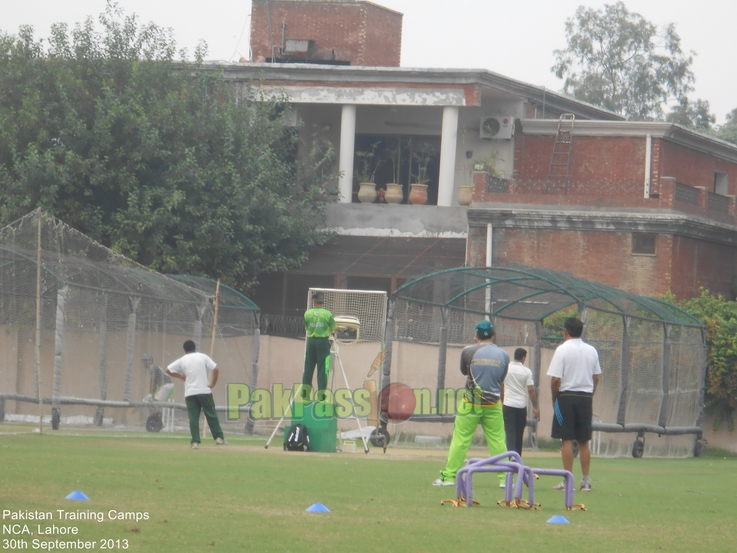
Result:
448,141
648,163
347,147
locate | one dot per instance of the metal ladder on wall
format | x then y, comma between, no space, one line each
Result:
560,161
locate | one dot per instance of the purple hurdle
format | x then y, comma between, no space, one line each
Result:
464,478
567,479
464,481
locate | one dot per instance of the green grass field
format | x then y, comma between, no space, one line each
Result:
242,497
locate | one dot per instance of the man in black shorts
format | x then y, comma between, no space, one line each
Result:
575,371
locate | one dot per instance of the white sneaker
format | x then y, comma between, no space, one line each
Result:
220,441
441,482
502,485
195,445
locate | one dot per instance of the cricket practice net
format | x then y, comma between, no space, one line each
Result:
359,339
85,333
652,354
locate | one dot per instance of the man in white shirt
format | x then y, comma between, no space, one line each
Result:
518,386
575,371
193,369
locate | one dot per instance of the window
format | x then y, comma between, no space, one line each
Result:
721,183
383,156
643,244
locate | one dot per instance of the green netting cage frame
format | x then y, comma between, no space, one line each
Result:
65,285
537,282
451,301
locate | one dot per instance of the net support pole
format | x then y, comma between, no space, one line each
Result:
102,371
38,327
625,371
212,340
663,417
489,260
254,368
386,366
536,369
256,351
215,318
103,350
701,381
442,348
61,297
536,361
133,302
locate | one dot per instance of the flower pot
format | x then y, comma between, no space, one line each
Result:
465,195
366,192
418,194
394,193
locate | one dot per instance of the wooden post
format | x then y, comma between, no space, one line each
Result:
215,318
38,326
212,338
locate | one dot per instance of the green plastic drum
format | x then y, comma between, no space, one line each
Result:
322,425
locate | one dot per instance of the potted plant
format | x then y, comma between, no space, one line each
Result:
486,164
418,191
394,191
365,171
465,195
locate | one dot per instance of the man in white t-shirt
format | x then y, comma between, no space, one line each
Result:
518,386
575,371
194,368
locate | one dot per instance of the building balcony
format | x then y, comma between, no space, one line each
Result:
665,194
397,220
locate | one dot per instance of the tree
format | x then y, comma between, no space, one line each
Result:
728,131
695,115
618,60
719,316
163,161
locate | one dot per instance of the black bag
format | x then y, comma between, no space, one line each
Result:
297,439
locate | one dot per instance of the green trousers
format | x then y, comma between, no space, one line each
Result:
466,422
317,354
202,402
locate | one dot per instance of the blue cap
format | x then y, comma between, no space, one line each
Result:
484,329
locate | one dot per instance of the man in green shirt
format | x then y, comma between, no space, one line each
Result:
319,325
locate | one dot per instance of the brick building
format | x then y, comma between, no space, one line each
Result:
646,207
340,32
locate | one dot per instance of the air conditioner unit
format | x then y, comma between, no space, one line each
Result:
496,127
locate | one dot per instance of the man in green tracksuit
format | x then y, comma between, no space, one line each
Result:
319,324
485,365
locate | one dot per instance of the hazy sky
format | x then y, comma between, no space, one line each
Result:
515,38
